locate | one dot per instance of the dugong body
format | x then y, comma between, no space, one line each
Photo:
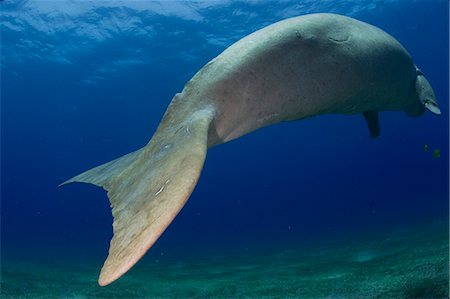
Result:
294,69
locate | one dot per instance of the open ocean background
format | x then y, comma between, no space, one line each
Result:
84,82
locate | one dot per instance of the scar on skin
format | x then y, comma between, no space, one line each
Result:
162,188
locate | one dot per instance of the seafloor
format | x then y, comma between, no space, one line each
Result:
401,264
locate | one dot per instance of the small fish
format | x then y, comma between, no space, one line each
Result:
437,153
425,148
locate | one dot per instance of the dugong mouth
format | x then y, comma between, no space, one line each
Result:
432,106
425,93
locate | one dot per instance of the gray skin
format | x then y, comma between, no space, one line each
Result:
302,67
294,69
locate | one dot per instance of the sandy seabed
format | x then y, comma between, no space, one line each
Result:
402,264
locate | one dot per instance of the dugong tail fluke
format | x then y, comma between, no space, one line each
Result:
148,187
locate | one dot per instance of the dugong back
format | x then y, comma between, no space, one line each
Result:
302,67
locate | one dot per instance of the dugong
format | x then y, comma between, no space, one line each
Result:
294,69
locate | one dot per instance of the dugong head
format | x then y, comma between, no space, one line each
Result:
425,96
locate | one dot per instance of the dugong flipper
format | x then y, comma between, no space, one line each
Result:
293,69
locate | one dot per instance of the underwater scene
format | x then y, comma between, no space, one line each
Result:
309,159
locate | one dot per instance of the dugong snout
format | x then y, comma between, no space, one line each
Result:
426,94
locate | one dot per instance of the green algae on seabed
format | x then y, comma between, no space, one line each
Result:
410,264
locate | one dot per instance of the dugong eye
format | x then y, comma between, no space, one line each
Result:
419,72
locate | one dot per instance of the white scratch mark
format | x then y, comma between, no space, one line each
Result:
162,188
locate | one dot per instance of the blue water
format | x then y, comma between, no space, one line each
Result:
85,82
